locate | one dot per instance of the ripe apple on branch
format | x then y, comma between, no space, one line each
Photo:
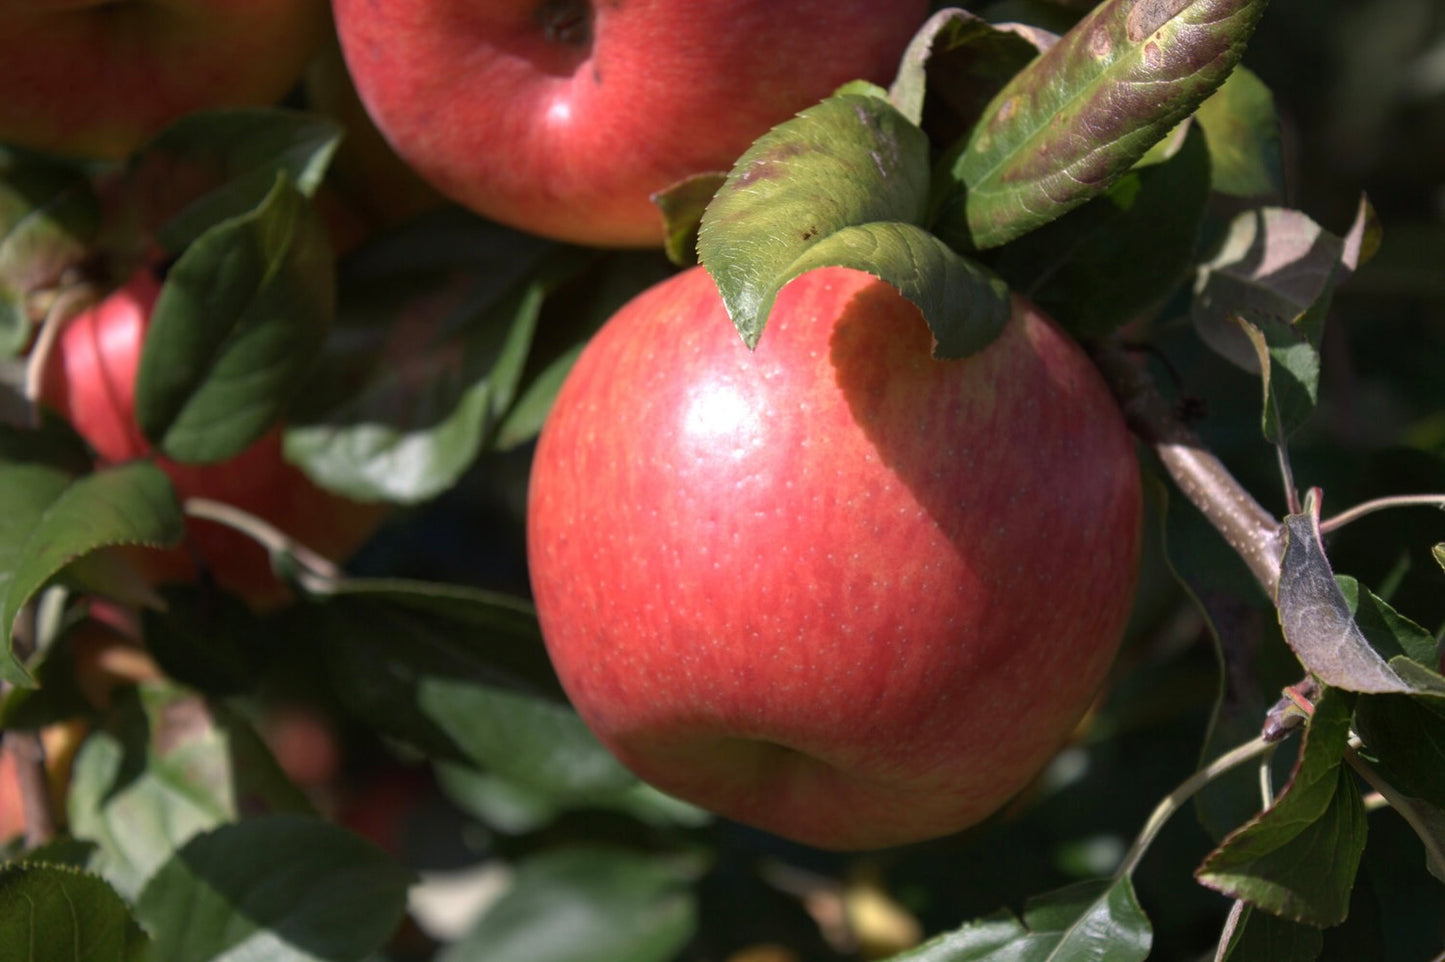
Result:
833,526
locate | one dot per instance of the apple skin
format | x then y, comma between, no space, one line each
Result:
832,588
563,117
90,381
96,78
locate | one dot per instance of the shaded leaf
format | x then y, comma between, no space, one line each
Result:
289,888
213,166
384,642
848,161
1140,234
167,766
238,323
48,520
1406,736
1317,619
1262,937
516,809
433,334
984,57
1242,128
49,216
1097,921
1075,119
1298,858
584,905
51,913
682,206
544,753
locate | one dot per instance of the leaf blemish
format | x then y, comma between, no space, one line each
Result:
1149,15
1100,44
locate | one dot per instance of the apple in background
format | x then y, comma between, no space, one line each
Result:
365,169
90,381
96,78
832,588
563,117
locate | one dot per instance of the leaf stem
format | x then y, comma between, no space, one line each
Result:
1171,803
1400,803
1245,524
1380,504
317,573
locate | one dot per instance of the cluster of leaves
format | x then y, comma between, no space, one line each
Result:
1121,173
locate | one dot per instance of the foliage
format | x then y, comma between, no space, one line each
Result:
1191,187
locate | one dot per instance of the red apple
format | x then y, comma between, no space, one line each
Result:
833,588
563,117
90,381
96,78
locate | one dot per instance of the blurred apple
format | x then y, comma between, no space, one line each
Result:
563,117
90,381
96,78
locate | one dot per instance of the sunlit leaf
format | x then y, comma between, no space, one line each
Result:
850,164
48,520
236,328
1298,858
1098,921
584,905
288,888
168,766
1242,129
1075,119
50,913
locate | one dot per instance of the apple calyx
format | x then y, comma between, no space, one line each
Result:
566,22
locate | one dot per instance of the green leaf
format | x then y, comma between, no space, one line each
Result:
1262,299
1318,621
1407,737
1297,859
1388,632
682,207
584,905
427,355
1075,119
1261,937
965,305
1098,921
287,888
1141,234
972,60
213,166
1242,129
48,520
848,161
50,913
49,216
383,642
1438,553
167,766
543,750
239,321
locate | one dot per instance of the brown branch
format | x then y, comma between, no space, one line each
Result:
1202,478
